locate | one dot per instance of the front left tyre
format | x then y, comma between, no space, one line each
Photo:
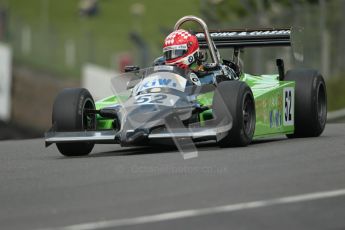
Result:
68,115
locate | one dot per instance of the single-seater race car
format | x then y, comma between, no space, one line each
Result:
164,103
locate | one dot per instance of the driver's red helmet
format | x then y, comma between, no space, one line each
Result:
179,48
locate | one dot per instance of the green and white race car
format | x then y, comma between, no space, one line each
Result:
162,104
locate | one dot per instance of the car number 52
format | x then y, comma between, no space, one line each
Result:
150,99
289,105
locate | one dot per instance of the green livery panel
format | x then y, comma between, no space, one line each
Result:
274,104
105,123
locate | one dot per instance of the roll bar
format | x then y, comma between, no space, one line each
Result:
214,52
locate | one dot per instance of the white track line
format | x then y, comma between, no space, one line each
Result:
204,211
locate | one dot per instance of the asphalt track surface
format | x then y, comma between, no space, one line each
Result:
272,184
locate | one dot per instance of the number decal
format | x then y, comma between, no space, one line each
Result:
288,116
150,99
289,106
159,98
142,99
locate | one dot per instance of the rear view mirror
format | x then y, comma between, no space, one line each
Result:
131,68
297,43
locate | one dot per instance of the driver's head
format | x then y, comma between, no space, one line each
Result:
180,48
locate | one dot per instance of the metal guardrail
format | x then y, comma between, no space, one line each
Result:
336,116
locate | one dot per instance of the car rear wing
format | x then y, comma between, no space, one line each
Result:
247,38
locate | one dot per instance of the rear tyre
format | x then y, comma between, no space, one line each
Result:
310,102
235,98
68,115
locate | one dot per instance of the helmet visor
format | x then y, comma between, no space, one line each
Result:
173,52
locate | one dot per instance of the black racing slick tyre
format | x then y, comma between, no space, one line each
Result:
310,102
235,98
68,115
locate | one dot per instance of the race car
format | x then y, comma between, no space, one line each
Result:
164,104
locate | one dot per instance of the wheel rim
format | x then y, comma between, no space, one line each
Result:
88,120
321,104
248,115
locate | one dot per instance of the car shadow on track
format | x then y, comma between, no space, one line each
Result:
135,151
269,140
146,150
155,149
286,140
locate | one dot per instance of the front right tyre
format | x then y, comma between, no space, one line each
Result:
235,100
